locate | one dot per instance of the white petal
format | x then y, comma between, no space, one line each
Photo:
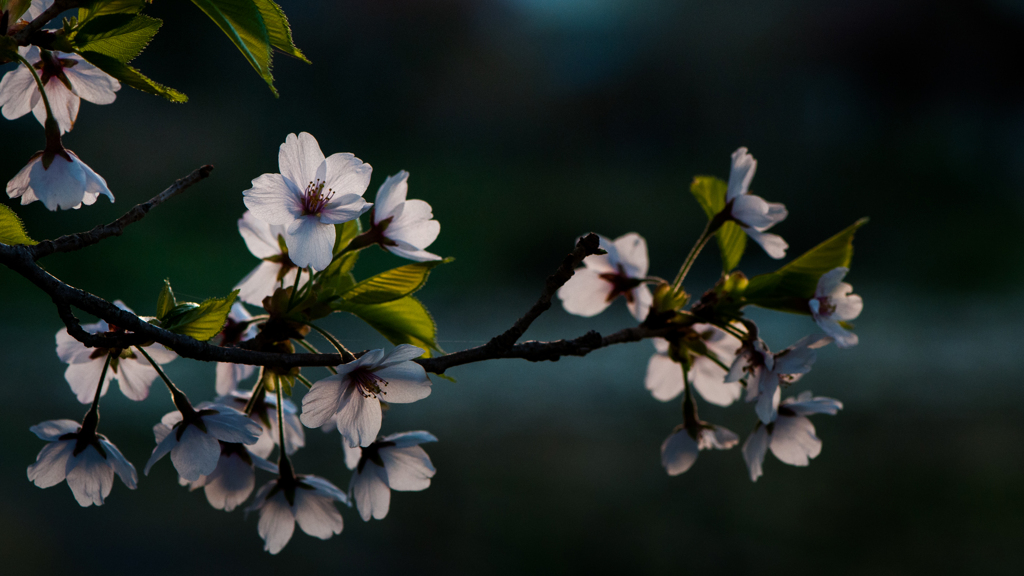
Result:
16,90
794,441
51,430
84,377
405,439
159,353
406,382
390,196
63,103
120,464
769,394
632,254
50,467
135,378
230,425
316,514
640,307
229,375
260,283
277,523
90,477
299,158
741,173
196,454
798,358
371,492
310,243
324,488
604,263
415,255
718,437
408,469
274,199
664,378
347,175
230,484
829,281
90,83
585,294
773,244
402,353
164,444
260,237
62,185
323,401
359,418
843,337
708,380
755,212
754,450
678,452
806,404
21,185
352,455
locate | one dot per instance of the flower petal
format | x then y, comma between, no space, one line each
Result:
51,430
371,492
794,441
406,382
754,450
299,158
50,467
316,514
359,418
632,253
640,307
347,175
585,294
84,377
90,477
740,173
310,242
679,452
408,468
664,378
773,244
274,199
120,464
89,82
323,401
16,90
196,454
277,523
390,196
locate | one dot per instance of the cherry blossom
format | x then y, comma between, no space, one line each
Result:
264,413
767,372
791,437
193,441
234,478
394,462
665,376
265,241
753,213
236,329
133,373
403,227
304,499
605,277
355,393
58,180
67,78
310,196
87,460
680,450
833,303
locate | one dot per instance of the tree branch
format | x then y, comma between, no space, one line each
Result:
23,36
72,242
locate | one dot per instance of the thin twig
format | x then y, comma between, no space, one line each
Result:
24,35
72,242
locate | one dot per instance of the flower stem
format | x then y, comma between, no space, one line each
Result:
295,288
42,90
345,354
692,256
284,465
305,381
313,349
257,392
690,419
180,400
92,417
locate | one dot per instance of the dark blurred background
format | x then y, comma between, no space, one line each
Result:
525,123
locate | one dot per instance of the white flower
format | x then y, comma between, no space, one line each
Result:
310,196
753,213
833,303
306,499
67,78
620,272
66,183
679,451
236,329
265,241
193,443
232,481
665,377
88,462
394,462
791,437
356,391
37,8
133,372
766,372
264,413
403,227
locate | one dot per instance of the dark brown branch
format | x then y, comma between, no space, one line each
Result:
72,242
24,36
586,246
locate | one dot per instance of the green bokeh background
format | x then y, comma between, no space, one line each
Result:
525,123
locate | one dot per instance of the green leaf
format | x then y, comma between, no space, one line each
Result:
120,36
12,231
732,240
789,288
132,77
243,24
278,29
165,302
404,321
393,284
202,321
344,233
104,7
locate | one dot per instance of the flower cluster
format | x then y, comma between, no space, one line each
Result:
711,348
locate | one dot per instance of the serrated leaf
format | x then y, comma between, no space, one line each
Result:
344,233
391,285
132,77
790,288
242,23
278,29
732,240
120,36
12,231
205,320
165,302
104,7
404,321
